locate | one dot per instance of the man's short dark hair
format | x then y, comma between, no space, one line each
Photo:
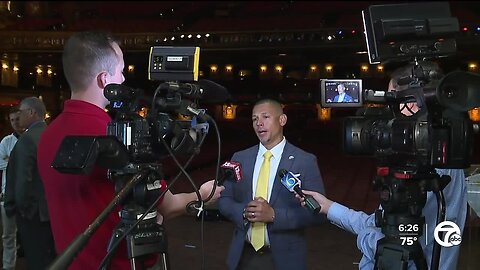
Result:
13,109
87,53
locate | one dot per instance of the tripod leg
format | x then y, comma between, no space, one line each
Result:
392,255
419,260
390,258
164,262
161,264
145,241
112,245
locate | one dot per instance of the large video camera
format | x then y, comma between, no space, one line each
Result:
420,126
143,132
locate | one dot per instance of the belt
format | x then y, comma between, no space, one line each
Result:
261,251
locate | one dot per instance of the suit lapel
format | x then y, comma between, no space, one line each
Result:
286,163
248,167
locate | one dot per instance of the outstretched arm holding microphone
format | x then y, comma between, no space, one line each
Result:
356,222
363,225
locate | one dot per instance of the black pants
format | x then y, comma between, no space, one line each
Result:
256,260
37,242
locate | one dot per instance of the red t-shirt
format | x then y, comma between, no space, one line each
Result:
74,201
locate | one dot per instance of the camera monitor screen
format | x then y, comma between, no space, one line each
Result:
341,93
407,30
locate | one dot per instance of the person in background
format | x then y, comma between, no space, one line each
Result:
24,192
92,60
260,204
9,235
455,194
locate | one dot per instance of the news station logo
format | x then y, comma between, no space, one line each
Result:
452,234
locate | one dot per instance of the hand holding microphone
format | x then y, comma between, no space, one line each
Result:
230,169
323,201
292,183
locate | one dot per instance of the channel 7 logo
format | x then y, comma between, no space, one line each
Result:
452,236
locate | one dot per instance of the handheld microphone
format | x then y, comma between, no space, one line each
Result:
292,183
230,169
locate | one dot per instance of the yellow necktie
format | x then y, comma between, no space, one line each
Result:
258,228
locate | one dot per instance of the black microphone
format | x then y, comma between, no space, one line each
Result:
206,90
230,169
214,92
292,183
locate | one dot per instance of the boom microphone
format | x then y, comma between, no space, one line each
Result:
206,90
214,92
292,183
230,169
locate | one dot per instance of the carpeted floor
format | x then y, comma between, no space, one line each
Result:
328,246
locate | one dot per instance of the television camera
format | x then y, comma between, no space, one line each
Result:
143,132
409,147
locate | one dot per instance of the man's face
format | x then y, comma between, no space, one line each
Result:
341,88
268,122
117,77
15,121
26,116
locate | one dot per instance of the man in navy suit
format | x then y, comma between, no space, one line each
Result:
342,95
285,220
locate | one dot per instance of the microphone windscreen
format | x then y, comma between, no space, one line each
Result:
282,173
213,92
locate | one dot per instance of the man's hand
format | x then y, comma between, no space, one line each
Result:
206,189
323,201
259,210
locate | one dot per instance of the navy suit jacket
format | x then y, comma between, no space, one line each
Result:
346,98
287,232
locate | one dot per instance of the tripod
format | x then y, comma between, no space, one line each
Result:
138,225
403,195
397,248
147,237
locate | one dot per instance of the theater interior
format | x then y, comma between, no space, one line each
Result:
255,49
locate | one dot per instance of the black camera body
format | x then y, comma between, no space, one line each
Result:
142,134
421,126
435,136
439,135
